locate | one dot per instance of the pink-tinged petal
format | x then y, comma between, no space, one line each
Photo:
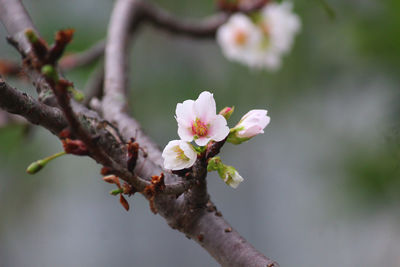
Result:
250,132
202,141
185,133
205,107
218,128
185,112
253,123
255,112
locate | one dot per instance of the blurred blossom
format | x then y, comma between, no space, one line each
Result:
262,40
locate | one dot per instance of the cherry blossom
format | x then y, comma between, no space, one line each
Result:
279,25
250,125
178,155
199,122
239,37
260,41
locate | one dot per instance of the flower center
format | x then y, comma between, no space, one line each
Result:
199,128
180,154
240,37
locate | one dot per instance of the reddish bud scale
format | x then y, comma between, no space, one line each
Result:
123,202
75,147
128,189
64,134
157,186
62,38
62,86
105,171
112,179
133,153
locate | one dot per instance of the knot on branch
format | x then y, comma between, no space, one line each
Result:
157,186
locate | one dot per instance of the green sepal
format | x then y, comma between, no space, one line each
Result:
215,164
234,139
199,149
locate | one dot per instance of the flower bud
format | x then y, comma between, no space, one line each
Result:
35,167
227,173
251,124
227,112
77,95
31,36
231,177
50,72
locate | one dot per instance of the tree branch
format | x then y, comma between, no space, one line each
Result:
188,213
35,112
83,58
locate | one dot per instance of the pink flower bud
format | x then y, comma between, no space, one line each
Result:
252,124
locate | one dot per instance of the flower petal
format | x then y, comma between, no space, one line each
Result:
204,107
218,128
189,152
185,133
185,112
202,141
178,155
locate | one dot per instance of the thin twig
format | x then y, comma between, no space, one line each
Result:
94,86
76,60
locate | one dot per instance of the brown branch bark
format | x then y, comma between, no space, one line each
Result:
188,213
15,102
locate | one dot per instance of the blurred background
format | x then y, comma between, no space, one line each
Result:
321,185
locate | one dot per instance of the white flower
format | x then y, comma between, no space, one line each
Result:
178,155
198,120
238,38
279,25
251,124
262,43
232,177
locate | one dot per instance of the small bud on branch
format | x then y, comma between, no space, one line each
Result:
40,164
